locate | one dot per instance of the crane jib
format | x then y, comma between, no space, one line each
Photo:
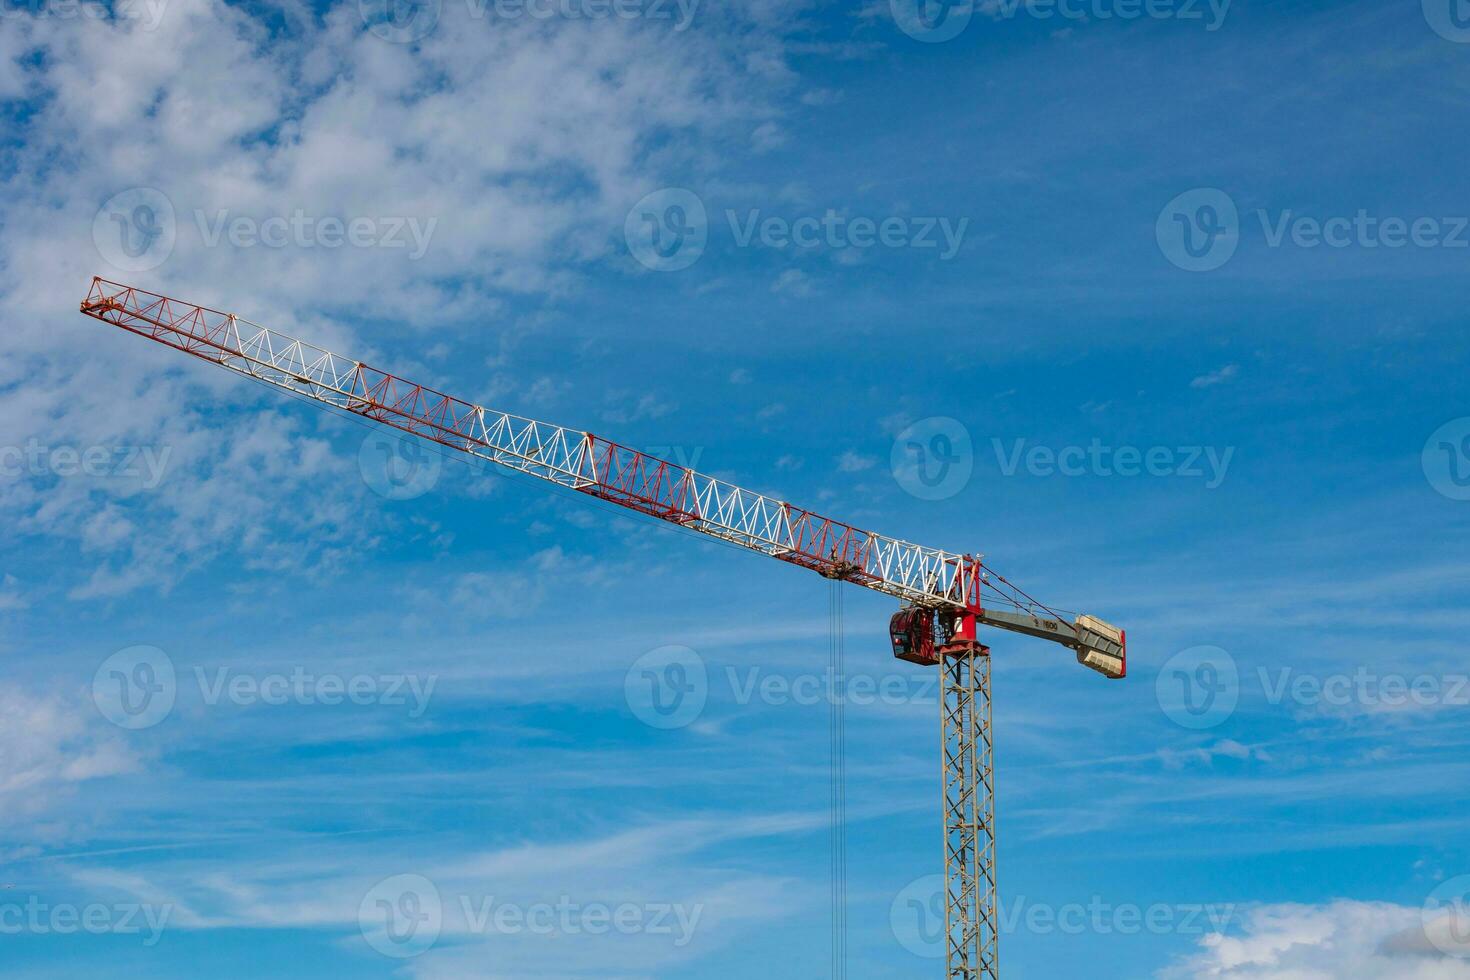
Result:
923,577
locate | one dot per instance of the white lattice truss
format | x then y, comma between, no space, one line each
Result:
569,457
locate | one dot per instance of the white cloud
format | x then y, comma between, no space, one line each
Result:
1221,376
821,97
518,591
793,282
766,137
1226,748
768,412
523,141
11,596
627,408
47,747
1344,940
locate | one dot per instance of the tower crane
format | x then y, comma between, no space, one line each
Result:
946,596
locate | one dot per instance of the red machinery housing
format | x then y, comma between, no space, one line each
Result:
912,632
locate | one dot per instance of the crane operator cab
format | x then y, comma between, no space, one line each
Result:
911,631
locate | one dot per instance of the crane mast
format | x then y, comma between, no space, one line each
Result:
946,595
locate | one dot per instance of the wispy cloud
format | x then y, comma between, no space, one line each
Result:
48,747
1216,377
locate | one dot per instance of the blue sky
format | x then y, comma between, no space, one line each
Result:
1187,294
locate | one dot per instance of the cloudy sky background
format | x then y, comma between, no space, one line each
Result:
1293,836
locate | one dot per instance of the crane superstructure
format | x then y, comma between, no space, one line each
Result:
946,596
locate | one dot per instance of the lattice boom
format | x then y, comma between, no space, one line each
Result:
569,457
